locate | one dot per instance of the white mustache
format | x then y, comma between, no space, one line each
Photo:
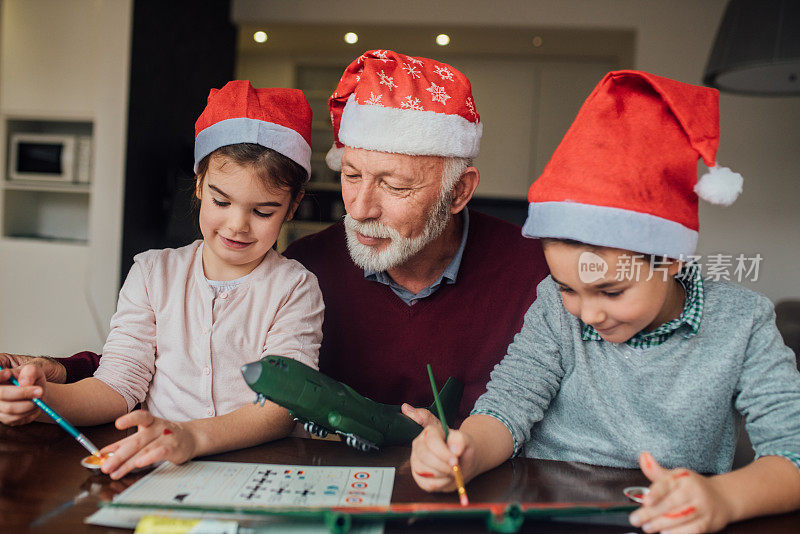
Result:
370,228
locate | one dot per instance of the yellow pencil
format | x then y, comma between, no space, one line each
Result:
462,491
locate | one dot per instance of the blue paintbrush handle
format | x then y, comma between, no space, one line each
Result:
60,421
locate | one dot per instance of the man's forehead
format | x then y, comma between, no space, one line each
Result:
376,162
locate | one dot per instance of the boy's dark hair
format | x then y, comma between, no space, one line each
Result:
272,168
650,258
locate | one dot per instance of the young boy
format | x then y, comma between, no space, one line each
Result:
626,348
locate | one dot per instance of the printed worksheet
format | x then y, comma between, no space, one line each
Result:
248,484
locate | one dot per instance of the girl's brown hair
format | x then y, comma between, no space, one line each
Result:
271,167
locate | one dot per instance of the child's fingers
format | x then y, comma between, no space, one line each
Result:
17,408
126,448
155,452
665,486
433,438
18,419
682,517
456,442
694,526
434,460
429,482
14,394
421,416
651,469
675,501
111,447
29,375
672,507
153,449
135,418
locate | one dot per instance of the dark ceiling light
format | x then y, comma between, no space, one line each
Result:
757,49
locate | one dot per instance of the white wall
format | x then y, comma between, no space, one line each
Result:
760,136
62,60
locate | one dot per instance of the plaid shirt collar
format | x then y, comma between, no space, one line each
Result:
692,282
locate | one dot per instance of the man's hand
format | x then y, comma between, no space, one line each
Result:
155,440
16,407
679,500
53,370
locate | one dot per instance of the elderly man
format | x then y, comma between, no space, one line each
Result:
411,276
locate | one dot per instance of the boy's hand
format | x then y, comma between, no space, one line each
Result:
16,407
155,440
432,459
679,501
422,416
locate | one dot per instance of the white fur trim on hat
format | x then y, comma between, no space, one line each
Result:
279,138
408,131
719,185
610,227
334,158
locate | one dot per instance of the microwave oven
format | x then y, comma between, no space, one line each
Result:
50,157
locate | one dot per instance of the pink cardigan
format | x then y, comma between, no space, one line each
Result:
177,348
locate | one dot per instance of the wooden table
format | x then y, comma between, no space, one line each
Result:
43,487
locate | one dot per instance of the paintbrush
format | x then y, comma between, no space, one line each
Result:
462,492
63,423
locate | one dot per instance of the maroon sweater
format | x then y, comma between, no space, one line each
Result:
379,345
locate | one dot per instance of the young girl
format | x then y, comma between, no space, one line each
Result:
622,352
188,318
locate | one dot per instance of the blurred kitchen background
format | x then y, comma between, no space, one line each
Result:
124,81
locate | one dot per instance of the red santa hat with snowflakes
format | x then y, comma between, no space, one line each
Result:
391,102
625,174
273,117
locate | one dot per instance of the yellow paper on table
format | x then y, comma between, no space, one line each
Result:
156,524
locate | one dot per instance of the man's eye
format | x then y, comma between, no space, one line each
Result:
396,189
351,176
564,289
220,203
613,293
262,214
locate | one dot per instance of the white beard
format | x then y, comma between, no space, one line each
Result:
400,249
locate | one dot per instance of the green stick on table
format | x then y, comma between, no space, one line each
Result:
462,491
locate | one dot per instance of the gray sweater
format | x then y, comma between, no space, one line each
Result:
603,403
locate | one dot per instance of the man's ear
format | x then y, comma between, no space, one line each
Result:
294,205
198,188
465,187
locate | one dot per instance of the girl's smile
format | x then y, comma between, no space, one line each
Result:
232,243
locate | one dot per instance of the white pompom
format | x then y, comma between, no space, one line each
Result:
334,158
719,185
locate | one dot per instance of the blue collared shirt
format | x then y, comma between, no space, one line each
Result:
449,275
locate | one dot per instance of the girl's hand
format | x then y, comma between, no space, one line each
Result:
155,440
432,459
16,407
679,501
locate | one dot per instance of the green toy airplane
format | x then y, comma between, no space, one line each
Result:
325,405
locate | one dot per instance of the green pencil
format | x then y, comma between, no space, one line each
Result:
462,491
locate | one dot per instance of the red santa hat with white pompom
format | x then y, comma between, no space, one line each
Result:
391,102
625,174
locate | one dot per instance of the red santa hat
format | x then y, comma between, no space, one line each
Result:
275,118
391,102
625,174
